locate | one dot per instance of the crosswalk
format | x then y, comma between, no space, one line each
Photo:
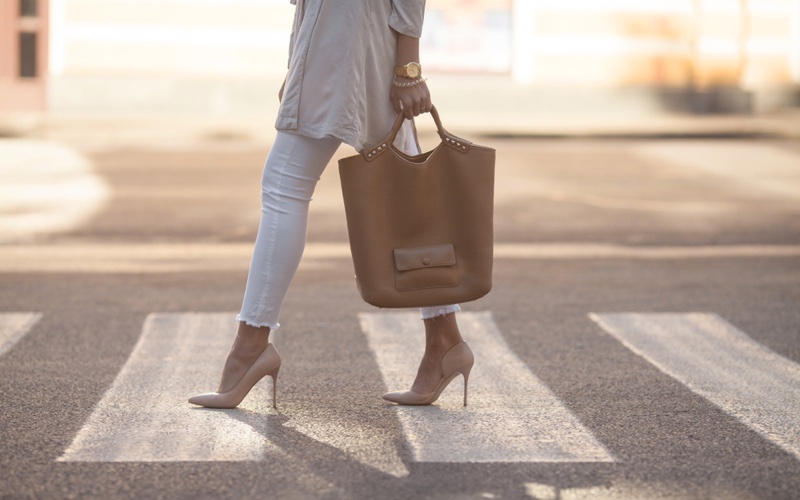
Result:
536,426
14,326
721,363
144,416
513,416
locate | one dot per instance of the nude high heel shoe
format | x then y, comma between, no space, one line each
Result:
458,359
268,363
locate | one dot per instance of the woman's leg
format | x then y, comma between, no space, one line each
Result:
293,167
441,328
441,334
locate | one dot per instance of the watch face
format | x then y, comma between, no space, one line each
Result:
413,70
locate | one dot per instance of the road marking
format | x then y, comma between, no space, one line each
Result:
185,257
753,167
144,415
363,442
14,326
720,363
512,416
617,489
45,187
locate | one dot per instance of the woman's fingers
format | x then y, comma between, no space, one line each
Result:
407,107
426,105
411,101
397,105
411,110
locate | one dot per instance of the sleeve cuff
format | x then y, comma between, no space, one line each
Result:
407,17
405,28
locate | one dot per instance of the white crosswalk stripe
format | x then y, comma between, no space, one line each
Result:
512,415
185,257
720,363
14,326
144,416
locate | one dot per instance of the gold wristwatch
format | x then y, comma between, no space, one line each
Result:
410,70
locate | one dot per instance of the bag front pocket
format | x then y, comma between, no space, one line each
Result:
418,268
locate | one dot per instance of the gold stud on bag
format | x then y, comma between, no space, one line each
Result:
420,226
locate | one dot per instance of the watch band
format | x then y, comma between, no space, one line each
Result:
410,70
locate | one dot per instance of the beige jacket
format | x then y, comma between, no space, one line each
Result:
341,65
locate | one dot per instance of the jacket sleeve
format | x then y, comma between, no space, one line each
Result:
407,17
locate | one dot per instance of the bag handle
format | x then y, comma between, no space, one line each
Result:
448,139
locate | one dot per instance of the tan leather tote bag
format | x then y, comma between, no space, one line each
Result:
420,226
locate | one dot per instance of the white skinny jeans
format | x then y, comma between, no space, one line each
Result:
294,165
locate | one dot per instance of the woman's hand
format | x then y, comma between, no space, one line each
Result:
411,101
414,99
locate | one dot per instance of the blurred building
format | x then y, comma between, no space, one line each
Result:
23,54
222,56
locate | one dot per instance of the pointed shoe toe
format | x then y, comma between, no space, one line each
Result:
211,400
409,398
198,400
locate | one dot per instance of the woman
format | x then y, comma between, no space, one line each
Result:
353,66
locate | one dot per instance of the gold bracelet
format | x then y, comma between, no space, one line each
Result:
408,84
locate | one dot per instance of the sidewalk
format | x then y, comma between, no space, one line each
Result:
93,131
785,125
469,106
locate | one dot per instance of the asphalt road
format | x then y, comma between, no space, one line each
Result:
589,228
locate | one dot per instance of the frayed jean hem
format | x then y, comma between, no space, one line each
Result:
272,326
432,312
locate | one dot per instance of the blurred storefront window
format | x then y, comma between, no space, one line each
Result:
468,35
28,8
219,55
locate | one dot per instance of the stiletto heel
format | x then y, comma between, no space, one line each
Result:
458,360
465,373
274,376
267,364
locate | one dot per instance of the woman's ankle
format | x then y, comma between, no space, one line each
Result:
253,333
442,333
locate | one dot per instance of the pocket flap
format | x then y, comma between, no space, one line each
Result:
406,259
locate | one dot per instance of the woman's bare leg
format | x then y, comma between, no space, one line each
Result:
248,345
441,334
